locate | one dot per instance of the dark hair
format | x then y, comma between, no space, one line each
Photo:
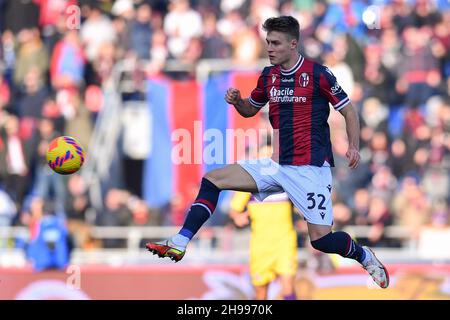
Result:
285,24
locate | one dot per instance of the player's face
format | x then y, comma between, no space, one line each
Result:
279,47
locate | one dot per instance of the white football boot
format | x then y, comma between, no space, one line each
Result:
376,269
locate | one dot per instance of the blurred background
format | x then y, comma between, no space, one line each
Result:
128,78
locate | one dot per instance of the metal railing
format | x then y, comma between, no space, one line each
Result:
224,245
212,236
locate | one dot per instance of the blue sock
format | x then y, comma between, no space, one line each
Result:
341,243
202,208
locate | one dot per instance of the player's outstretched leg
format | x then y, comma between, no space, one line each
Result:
200,211
341,243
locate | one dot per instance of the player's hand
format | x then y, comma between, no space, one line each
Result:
353,157
232,96
240,219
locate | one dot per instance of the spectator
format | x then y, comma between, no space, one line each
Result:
441,44
378,217
104,62
181,24
246,46
140,31
17,161
48,185
410,207
419,73
425,14
383,184
390,48
230,24
378,81
76,207
49,247
78,121
31,102
96,32
123,9
31,55
361,203
436,184
158,53
214,46
67,62
141,214
117,213
8,56
192,53
345,184
379,151
402,16
399,159
375,115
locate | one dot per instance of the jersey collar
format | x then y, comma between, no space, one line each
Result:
294,69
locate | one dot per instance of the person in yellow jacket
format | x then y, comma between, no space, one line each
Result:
273,243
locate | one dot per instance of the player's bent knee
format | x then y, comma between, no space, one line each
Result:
214,177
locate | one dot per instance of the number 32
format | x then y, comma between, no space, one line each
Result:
313,201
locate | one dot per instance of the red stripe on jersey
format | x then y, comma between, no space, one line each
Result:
323,82
302,115
274,111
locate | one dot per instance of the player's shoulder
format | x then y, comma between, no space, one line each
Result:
324,69
268,70
318,66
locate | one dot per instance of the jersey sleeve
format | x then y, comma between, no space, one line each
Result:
330,88
258,97
239,201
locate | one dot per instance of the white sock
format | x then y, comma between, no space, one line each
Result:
180,241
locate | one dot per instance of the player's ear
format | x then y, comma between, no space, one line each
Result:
294,44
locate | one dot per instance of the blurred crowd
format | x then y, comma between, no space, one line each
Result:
390,56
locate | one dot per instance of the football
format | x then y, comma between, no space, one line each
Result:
65,155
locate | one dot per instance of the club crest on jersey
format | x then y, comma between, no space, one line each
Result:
303,79
274,77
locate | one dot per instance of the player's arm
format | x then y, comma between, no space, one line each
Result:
243,106
250,106
240,219
331,89
352,127
238,206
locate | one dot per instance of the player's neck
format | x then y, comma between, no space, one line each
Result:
291,62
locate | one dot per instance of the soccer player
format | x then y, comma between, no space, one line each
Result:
299,92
